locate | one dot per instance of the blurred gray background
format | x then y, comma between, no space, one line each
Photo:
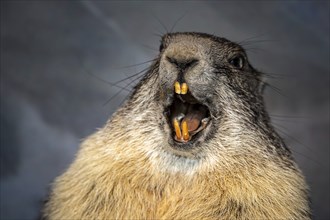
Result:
57,57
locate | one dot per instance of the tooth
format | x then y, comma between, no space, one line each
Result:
185,133
184,88
204,122
177,128
180,116
177,87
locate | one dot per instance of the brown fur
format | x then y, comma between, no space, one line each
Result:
130,170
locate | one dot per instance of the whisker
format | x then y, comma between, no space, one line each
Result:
269,76
251,38
307,157
134,80
137,64
277,90
284,131
86,70
112,97
121,90
252,42
132,86
149,47
176,22
290,116
279,75
157,35
287,120
105,81
281,129
136,74
253,50
161,23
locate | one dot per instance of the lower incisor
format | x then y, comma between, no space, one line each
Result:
185,133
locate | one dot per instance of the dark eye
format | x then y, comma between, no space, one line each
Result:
237,61
161,47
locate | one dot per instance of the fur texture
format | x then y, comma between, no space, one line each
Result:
238,169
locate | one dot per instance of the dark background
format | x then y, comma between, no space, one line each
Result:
56,55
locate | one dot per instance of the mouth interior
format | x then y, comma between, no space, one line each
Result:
187,117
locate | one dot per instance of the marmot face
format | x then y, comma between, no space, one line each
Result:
206,83
192,142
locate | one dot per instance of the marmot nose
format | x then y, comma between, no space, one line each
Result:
182,64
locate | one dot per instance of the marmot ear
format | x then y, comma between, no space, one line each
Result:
164,41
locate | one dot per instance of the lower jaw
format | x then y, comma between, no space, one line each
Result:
187,150
191,149
187,145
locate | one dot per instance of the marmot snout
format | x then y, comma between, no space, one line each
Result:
199,145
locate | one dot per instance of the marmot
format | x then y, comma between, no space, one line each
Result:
193,141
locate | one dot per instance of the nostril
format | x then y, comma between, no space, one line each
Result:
182,64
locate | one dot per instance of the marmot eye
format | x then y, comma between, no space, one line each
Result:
237,61
161,47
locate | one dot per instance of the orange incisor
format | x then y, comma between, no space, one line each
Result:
177,88
185,132
177,129
184,88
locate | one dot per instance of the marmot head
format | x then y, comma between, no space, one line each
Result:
206,95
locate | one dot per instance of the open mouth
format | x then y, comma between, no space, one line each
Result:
187,117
